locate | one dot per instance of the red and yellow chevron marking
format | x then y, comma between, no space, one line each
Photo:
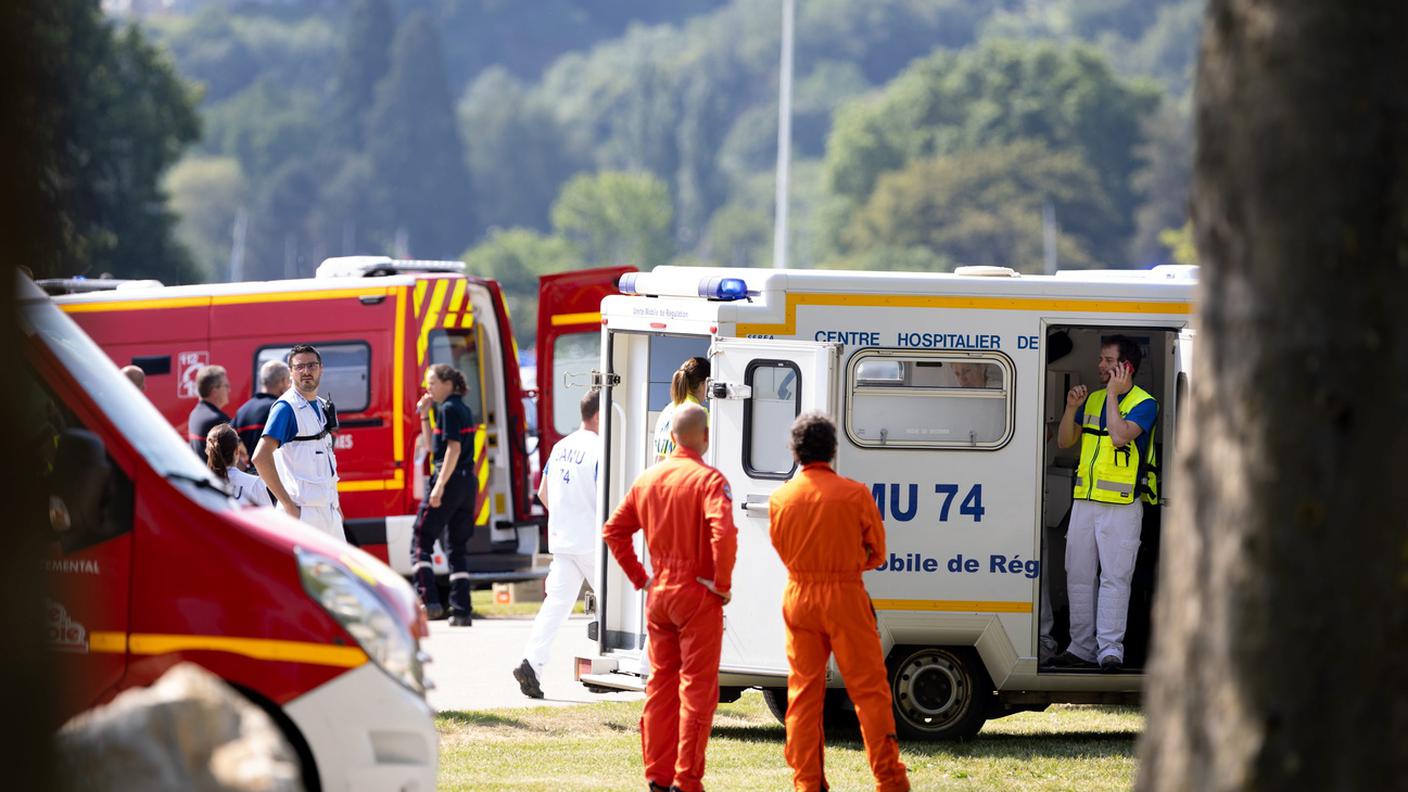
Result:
481,475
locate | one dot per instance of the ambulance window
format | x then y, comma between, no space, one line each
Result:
768,414
933,400
346,372
574,356
460,350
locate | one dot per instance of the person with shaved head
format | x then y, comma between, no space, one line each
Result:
685,508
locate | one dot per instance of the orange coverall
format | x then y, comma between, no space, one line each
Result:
686,510
827,531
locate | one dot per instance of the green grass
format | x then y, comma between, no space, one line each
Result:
597,747
482,601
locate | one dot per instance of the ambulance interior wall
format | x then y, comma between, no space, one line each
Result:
1080,366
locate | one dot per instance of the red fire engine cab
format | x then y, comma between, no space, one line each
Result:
378,323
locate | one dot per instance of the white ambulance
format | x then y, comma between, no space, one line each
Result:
947,390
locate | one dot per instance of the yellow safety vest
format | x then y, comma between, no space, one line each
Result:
1114,475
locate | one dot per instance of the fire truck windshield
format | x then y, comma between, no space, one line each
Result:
134,416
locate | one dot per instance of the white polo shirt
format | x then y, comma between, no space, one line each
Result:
571,474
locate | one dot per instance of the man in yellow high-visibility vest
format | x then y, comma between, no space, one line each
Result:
1115,477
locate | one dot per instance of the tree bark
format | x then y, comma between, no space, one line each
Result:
1282,621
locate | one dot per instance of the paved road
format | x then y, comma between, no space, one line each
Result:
473,667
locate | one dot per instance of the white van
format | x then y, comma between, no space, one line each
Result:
966,472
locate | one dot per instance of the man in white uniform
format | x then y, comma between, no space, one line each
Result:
295,454
568,490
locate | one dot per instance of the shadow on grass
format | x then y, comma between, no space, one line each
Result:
470,718
1063,745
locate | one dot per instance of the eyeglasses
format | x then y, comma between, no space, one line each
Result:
307,367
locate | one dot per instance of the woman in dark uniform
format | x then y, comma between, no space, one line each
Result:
450,502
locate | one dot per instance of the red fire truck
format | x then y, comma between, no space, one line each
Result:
378,323
151,564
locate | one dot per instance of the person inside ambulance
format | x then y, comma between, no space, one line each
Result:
452,498
827,531
685,508
1115,477
213,386
686,387
252,415
222,447
295,453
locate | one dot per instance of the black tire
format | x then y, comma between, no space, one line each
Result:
939,693
776,699
836,714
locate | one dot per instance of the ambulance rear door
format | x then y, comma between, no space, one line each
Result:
758,388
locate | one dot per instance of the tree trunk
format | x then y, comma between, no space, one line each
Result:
1282,621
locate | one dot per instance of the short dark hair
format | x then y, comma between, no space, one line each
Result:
304,349
814,438
1129,349
207,378
591,403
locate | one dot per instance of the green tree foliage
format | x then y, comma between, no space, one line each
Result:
616,217
208,194
363,61
120,117
516,258
984,206
1163,180
414,146
497,116
1002,91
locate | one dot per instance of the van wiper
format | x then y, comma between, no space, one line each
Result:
199,481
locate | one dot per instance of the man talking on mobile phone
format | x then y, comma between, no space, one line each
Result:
1114,479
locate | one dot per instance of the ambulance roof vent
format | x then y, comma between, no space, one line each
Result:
373,266
81,285
983,271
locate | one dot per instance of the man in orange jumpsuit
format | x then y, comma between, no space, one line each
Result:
827,531
686,510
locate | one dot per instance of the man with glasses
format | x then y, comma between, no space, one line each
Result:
295,454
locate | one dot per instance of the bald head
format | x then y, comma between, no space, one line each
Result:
690,427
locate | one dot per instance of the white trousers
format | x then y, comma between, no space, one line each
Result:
565,576
1102,543
325,518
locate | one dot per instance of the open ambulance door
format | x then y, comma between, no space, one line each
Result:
758,388
568,347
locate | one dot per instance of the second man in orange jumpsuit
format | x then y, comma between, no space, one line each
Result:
828,531
686,510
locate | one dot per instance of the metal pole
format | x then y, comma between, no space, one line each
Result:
784,138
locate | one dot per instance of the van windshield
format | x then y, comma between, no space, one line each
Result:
133,415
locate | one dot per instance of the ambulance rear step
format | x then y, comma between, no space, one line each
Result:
599,674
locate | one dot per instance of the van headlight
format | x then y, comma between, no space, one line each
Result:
360,611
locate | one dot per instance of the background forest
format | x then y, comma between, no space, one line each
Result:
256,138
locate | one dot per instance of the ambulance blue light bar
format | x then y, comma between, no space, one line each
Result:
723,289
727,289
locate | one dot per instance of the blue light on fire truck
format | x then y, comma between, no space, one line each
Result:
627,283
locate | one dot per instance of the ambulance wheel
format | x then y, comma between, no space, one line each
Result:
939,693
836,714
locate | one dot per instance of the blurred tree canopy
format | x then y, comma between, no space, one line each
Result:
350,140
122,116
